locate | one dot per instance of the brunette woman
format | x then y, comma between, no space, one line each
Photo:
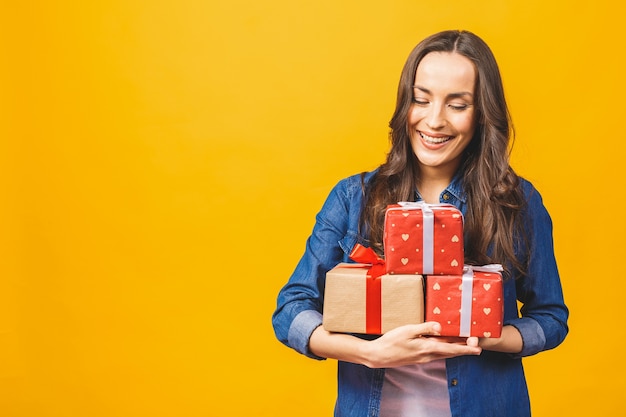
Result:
450,142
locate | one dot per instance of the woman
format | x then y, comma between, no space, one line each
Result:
450,137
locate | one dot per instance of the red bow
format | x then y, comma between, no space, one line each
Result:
367,255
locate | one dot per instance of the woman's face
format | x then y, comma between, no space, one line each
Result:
442,116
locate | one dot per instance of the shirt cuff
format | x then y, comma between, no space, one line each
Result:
533,337
300,331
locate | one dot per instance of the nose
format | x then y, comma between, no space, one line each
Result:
435,119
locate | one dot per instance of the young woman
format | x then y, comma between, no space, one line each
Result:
450,137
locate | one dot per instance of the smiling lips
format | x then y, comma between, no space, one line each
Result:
435,140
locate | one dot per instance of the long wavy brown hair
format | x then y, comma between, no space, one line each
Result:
492,189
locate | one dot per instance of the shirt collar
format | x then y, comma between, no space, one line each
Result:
456,187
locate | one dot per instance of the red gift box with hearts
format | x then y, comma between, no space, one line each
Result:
421,238
467,305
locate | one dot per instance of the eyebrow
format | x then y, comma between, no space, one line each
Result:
460,94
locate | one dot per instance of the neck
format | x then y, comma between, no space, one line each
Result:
432,182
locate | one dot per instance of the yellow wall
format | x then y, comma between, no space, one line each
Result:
161,163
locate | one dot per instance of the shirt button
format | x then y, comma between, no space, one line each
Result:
446,196
454,382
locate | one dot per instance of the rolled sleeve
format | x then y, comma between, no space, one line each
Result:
533,336
301,329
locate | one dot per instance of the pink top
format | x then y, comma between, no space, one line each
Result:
416,391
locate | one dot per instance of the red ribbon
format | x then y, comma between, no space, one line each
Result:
373,288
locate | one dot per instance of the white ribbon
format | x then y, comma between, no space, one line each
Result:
466,293
428,240
419,204
493,268
466,302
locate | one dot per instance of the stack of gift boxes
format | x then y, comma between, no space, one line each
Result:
421,278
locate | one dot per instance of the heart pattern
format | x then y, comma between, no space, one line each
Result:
485,310
404,237
404,261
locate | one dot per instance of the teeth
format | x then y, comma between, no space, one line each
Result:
430,139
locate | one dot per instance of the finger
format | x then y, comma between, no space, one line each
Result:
454,349
451,339
430,328
472,341
414,331
458,350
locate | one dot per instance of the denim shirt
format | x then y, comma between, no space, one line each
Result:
491,384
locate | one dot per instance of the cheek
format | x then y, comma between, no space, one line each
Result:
414,116
465,125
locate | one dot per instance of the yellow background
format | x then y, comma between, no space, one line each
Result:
161,163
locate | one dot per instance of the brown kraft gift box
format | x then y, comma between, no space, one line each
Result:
354,302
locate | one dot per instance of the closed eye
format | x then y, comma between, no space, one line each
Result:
459,107
420,102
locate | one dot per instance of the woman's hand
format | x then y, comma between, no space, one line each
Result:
414,343
405,345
